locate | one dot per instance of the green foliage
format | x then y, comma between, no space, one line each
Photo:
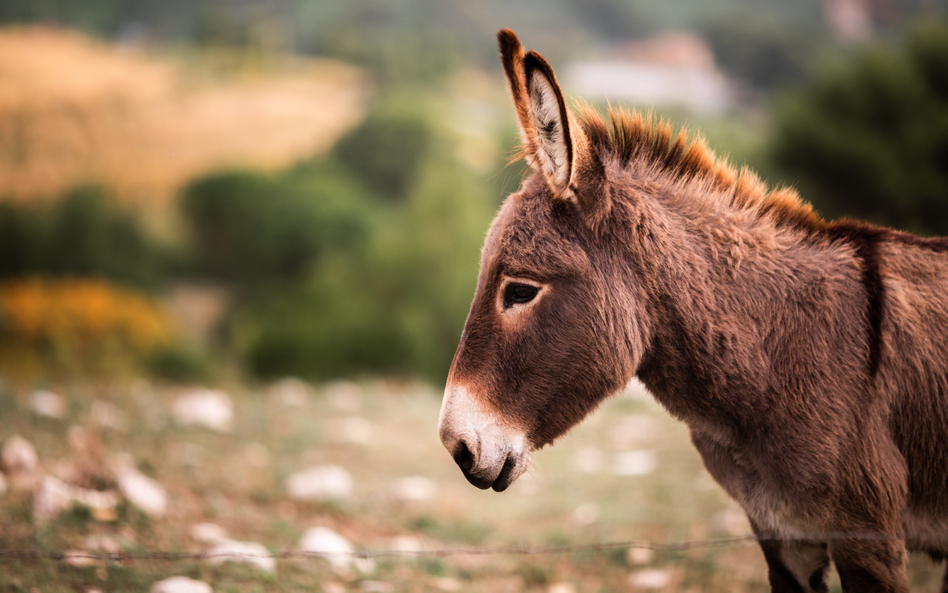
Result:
82,234
869,138
180,363
251,228
362,263
386,152
394,303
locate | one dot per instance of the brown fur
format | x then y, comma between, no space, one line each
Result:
808,358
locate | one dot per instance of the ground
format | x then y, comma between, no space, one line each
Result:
627,474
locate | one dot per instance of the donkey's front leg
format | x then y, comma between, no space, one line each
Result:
871,564
794,566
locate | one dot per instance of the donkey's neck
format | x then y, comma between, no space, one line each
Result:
726,285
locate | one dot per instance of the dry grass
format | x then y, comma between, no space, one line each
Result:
237,481
75,110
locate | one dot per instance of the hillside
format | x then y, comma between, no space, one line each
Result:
76,110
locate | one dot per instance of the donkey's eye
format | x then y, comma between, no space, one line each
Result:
518,294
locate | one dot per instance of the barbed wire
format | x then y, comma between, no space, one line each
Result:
366,554
520,550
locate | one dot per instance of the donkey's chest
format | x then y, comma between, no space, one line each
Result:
761,486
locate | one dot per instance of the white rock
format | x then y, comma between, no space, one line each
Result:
79,558
640,556
332,587
561,588
142,491
635,463
344,395
328,544
108,415
101,543
415,488
588,460
51,499
46,403
209,533
252,553
55,496
377,587
19,456
652,578
211,408
406,544
291,392
180,585
586,514
323,482
447,584
356,430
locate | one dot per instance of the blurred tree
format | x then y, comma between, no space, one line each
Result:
386,152
869,138
20,243
251,228
82,234
394,302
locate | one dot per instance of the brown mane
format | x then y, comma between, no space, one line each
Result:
631,136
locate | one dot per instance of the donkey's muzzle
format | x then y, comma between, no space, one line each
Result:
489,453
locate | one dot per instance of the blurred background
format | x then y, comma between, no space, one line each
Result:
227,193
302,187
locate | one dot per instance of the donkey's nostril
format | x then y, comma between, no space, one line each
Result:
463,457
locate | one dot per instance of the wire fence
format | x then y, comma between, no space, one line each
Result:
444,552
519,550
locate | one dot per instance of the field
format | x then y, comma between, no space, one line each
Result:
628,474
74,110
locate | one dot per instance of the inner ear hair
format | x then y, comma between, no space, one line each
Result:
550,122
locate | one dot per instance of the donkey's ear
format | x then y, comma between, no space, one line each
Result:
553,143
511,56
551,123
563,153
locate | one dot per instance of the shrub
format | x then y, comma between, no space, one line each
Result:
387,152
254,229
392,303
82,234
80,321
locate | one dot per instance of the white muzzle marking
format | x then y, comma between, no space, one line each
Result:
487,449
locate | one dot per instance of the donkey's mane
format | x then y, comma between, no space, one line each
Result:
630,136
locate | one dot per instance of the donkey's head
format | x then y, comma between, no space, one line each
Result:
552,330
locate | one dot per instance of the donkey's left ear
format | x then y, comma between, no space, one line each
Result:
562,153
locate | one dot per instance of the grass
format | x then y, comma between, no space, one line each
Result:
236,480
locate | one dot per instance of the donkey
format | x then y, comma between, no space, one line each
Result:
808,358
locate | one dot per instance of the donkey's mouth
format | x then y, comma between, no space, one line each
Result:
507,475
514,465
